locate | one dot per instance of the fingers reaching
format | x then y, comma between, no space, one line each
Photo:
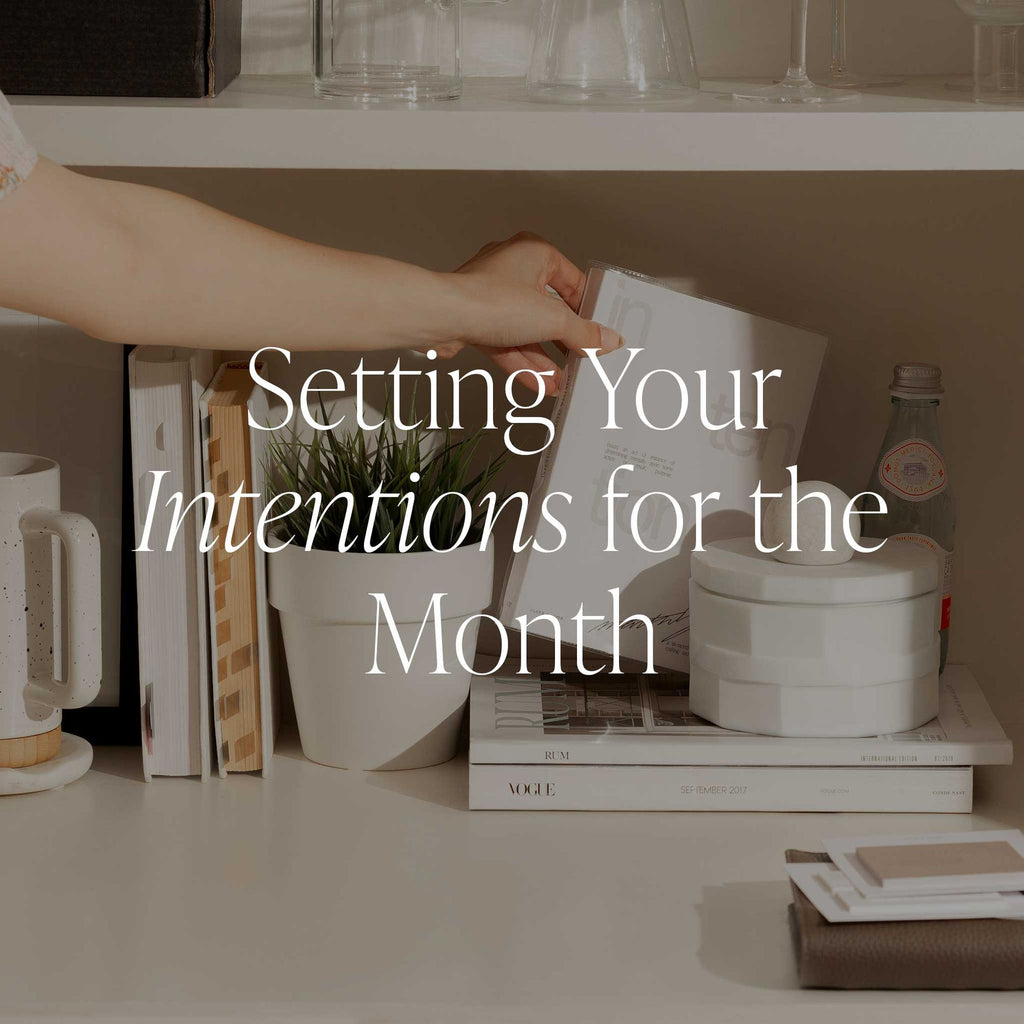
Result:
567,279
509,289
577,334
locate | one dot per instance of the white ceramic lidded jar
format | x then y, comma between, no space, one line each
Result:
813,650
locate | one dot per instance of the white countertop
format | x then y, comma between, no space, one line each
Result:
328,895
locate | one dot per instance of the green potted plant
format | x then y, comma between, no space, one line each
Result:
360,700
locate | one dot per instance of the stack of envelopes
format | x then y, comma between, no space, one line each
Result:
911,912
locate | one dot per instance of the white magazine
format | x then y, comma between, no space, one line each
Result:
719,788
646,720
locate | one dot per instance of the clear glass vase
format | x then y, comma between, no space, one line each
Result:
998,37
632,52
839,74
405,50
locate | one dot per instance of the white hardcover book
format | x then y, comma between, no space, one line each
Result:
637,719
174,665
507,787
671,337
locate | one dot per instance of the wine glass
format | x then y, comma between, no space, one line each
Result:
796,87
998,76
839,74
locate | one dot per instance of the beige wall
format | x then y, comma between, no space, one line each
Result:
890,266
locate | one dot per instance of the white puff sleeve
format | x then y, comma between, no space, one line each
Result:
17,157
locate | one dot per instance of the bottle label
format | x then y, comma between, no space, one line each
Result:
945,560
913,470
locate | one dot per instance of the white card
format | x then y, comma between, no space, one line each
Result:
843,852
832,895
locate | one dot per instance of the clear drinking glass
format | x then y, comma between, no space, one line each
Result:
839,74
796,87
998,75
612,52
387,49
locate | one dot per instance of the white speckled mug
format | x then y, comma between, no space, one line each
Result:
31,692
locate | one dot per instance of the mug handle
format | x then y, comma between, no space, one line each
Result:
85,661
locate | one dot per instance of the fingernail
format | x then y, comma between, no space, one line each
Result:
610,341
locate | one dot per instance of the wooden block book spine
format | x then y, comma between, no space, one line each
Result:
233,579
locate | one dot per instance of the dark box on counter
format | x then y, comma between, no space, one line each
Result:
119,47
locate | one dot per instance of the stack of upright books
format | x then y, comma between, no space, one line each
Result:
630,742
207,678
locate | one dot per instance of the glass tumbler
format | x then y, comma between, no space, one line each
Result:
612,52
839,74
998,37
387,49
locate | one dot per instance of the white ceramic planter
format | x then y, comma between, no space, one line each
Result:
347,717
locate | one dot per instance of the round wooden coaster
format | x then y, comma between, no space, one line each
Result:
24,751
71,762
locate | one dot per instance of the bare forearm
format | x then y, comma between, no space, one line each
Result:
146,267
139,265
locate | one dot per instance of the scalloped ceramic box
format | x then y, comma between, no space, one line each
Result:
798,650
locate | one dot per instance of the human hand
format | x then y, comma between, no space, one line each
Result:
509,311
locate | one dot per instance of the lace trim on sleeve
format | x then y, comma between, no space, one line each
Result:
17,157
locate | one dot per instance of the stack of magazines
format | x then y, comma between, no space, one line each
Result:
630,742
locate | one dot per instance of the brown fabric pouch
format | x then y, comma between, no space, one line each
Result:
981,954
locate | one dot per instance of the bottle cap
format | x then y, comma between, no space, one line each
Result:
916,380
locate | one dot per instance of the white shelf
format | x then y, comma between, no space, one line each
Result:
328,895
277,122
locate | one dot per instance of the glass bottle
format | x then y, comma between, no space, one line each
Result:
910,474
